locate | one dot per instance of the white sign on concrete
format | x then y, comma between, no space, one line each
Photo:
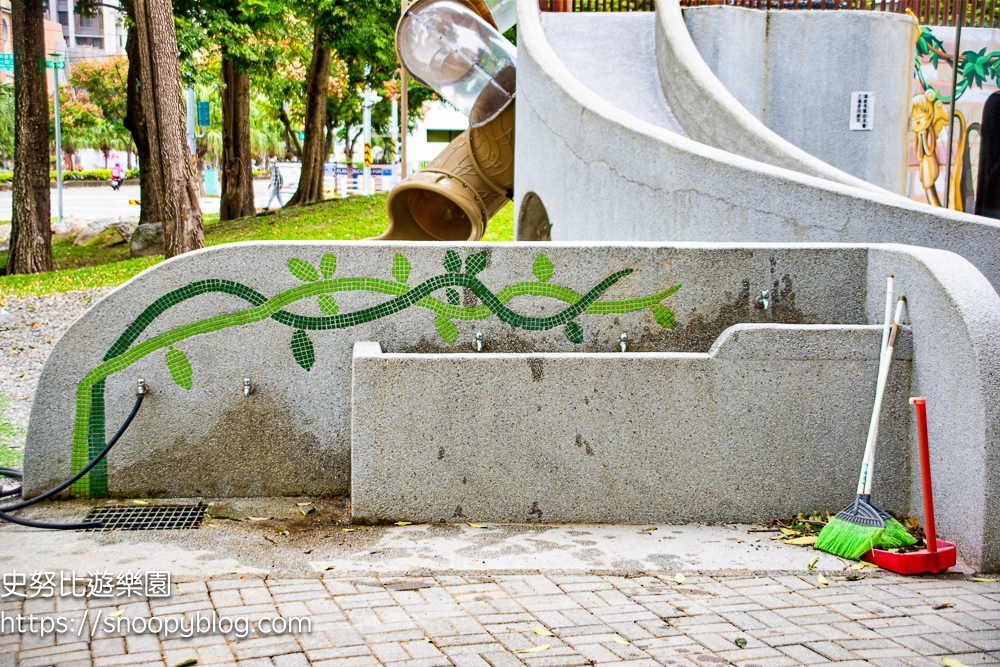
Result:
861,110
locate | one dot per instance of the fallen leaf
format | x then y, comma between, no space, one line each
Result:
812,563
213,525
808,539
348,530
983,579
944,605
303,504
650,528
619,640
741,642
116,614
139,502
187,663
822,580
428,639
534,649
789,531
856,566
679,578
258,518
855,577
951,662
403,523
867,564
475,525
321,566
539,630
302,512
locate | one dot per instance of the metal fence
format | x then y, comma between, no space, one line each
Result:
970,13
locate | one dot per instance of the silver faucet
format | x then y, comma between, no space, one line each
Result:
479,341
764,300
248,387
623,341
141,388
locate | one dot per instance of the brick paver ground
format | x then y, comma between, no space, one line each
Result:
484,621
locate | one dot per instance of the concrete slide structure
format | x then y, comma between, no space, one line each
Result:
640,141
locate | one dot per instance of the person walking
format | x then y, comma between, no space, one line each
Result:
276,182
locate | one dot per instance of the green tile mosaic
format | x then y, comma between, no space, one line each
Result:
89,431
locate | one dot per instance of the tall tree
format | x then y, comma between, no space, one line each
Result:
172,184
31,231
241,32
135,122
314,148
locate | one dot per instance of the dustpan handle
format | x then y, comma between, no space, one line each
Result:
920,403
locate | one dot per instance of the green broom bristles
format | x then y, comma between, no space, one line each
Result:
848,540
895,535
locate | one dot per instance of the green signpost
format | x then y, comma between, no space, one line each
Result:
7,63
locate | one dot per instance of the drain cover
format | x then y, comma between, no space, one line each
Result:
155,517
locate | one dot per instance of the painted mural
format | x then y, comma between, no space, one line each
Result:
930,106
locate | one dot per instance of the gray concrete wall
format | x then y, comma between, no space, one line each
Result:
293,435
592,171
795,71
743,433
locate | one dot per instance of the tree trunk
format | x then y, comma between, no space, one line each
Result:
172,178
291,137
237,173
135,123
31,228
313,152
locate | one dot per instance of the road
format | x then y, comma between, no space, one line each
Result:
97,203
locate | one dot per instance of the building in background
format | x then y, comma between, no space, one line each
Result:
88,37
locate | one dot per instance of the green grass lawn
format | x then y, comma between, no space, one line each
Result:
105,262
8,430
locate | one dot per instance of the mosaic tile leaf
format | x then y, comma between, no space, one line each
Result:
328,304
302,270
400,268
452,262
664,316
328,265
179,367
574,332
447,329
542,268
475,263
453,297
302,349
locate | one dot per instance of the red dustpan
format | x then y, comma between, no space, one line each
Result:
940,555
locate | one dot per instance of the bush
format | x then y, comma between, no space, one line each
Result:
91,175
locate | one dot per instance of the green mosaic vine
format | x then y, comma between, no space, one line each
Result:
89,430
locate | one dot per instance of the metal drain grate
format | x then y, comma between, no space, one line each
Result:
156,517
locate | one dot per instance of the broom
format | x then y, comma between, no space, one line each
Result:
859,526
895,534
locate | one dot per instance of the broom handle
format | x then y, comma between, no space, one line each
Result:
883,380
886,326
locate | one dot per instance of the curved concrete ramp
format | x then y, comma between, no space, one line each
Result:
599,158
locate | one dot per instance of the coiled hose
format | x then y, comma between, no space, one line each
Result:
17,474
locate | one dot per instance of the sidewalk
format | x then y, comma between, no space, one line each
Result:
481,620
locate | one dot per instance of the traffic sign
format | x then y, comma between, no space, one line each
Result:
57,64
204,114
7,63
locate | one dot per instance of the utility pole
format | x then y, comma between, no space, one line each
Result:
394,138
951,116
60,46
404,80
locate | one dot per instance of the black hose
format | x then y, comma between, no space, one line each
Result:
68,483
14,474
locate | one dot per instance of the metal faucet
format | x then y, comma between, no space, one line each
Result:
764,300
479,341
248,387
623,341
141,388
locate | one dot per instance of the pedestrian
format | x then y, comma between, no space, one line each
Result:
276,182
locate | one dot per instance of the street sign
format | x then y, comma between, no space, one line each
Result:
204,114
7,63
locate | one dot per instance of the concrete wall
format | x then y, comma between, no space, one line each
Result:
795,71
592,171
196,325
741,433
